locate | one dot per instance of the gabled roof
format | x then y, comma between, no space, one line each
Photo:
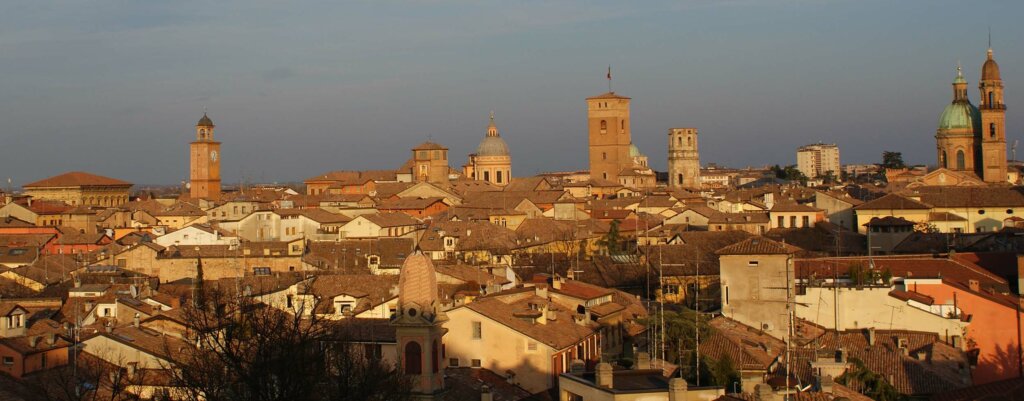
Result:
391,219
77,179
893,202
759,246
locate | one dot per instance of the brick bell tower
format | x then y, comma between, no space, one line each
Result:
204,166
993,123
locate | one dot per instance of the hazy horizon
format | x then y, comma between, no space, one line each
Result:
299,89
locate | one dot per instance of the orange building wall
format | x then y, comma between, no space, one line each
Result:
994,329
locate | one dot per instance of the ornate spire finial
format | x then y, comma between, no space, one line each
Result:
959,70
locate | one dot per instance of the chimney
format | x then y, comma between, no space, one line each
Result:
643,360
871,336
110,329
826,384
604,375
974,285
556,282
51,338
577,367
135,320
485,393
922,355
677,389
763,392
33,341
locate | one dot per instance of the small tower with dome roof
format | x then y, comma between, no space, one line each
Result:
418,324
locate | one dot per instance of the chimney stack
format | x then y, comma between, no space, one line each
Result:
51,338
577,367
604,375
33,341
974,285
135,320
485,393
871,336
643,360
677,389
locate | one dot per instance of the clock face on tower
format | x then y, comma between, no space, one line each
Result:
213,156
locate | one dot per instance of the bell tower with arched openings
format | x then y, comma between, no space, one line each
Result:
683,158
204,166
993,123
418,324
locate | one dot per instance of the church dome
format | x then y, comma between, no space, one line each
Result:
960,115
990,70
417,282
492,146
634,151
205,121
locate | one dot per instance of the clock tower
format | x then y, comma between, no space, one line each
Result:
204,171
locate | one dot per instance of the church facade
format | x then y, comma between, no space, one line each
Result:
973,139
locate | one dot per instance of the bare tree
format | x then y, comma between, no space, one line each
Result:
249,351
87,378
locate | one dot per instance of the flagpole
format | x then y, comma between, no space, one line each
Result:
609,78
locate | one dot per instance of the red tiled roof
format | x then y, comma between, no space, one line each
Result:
758,246
77,179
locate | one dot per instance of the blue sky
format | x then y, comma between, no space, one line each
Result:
298,88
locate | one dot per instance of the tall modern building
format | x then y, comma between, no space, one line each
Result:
204,166
971,139
683,158
816,160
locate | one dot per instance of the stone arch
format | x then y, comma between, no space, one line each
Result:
413,358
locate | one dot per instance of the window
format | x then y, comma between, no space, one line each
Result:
982,211
289,301
726,295
992,130
991,101
434,358
679,141
497,177
413,358
531,346
487,175
8,360
753,263
1009,211
960,161
792,221
689,141
478,330
475,363
806,221
679,179
782,221
604,126
453,362
622,125
604,156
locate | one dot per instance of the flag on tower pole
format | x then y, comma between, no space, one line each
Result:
609,78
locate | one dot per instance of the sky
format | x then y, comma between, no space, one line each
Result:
303,87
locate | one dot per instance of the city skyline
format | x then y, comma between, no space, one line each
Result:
316,95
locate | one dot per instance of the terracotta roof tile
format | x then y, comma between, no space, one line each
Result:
77,179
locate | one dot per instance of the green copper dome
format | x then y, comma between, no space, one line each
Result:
634,151
960,115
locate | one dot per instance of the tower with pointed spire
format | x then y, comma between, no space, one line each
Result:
419,330
993,122
492,161
204,165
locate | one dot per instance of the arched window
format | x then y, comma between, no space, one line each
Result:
960,162
487,175
622,125
679,179
992,130
604,126
413,358
434,357
679,141
497,176
991,99
942,160
604,156
689,141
